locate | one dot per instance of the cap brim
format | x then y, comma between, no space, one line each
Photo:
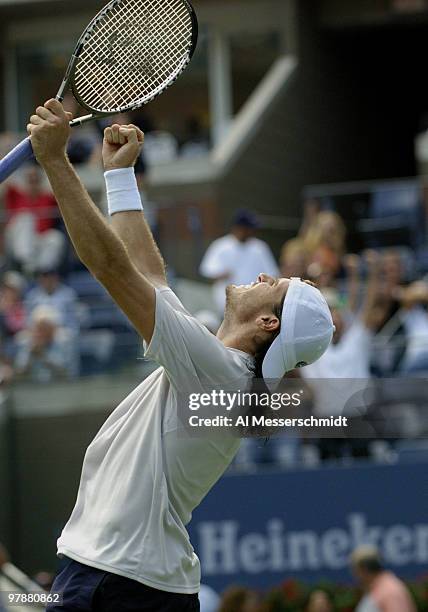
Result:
273,364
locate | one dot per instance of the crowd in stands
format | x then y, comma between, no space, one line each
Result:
378,303
378,299
189,140
56,321
78,330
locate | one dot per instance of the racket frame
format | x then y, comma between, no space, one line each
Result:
68,80
24,152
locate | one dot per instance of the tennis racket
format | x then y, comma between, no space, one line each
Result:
129,54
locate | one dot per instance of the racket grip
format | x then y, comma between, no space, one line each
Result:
19,155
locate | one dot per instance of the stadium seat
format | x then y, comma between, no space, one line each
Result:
86,286
107,315
96,350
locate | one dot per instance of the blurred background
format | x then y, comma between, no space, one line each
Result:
295,143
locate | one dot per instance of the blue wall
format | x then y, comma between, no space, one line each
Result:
259,529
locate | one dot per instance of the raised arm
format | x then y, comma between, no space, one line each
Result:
352,266
368,313
121,147
96,244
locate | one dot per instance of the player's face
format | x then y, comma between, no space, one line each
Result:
264,294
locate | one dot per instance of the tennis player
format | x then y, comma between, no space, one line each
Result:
126,543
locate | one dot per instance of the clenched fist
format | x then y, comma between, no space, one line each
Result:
49,130
122,146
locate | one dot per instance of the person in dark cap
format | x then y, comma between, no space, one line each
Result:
245,219
237,257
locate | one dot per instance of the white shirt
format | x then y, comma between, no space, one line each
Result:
367,605
348,360
242,261
140,480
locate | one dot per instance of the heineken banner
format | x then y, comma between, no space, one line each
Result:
257,530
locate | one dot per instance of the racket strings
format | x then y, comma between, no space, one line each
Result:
110,73
110,95
138,49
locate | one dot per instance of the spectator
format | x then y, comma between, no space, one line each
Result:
322,274
31,239
392,268
6,374
237,258
45,350
402,321
319,601
50,291
414,319
391,334
384,592
239,599
349,354
12,311
311,209
347,358
209,601
195,140
326,229
325,243
292,261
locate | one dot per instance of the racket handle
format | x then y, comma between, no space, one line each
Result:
19,155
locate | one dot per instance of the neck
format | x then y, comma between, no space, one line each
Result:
239,237
228,336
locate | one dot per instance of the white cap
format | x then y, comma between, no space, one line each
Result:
306,331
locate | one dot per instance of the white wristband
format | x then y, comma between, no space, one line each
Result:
122,191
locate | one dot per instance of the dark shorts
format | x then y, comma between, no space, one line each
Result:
86,589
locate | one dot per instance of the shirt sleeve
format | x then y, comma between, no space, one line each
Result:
188,352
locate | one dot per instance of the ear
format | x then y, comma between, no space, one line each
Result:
268,323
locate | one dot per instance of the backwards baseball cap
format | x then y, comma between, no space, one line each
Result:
306,332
